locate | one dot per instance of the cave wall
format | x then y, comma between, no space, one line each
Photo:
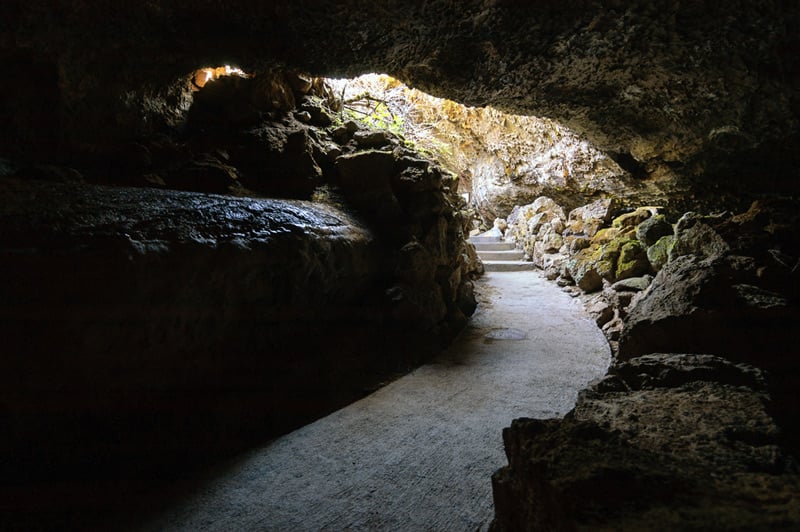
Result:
682,90
141,326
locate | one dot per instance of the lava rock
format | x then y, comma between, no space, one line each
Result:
693,236
587,220
639,448
652,229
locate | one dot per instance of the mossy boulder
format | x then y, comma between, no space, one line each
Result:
658,253
632,260
583,268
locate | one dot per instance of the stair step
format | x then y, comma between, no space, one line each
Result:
494,246
482,239
515,254
507,266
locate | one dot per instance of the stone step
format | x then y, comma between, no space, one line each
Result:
507,266
514,254
482,239
494,246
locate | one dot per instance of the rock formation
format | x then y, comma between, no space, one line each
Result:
680,94
190,316
710,331
697,102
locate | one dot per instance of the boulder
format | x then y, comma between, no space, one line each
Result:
652,229
587,271
665,441
712,306
695,236
632,261
587,220
658,253
633,219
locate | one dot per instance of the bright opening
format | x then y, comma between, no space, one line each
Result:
501,159
206,74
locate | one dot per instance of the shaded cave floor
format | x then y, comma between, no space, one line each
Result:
419,453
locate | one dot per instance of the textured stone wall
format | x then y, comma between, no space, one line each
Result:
143,327
679,90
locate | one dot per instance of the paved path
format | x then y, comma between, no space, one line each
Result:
419,453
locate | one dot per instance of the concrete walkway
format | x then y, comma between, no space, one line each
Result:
419,453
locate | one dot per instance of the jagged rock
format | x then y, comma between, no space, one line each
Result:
587,220
696,305
652,229
695,237
664,441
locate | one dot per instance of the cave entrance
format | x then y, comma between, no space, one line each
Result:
501,159
203,76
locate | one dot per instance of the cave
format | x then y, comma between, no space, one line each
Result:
201,251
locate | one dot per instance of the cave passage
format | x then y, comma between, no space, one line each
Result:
415,455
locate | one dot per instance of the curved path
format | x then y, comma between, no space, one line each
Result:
419,453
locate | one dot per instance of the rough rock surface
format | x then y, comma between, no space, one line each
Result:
697,441
161,326
665,441
680,93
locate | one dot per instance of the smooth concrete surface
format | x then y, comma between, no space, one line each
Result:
419,453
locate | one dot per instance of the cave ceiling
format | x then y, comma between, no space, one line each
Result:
661,81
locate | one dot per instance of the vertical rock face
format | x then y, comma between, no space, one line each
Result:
160,325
